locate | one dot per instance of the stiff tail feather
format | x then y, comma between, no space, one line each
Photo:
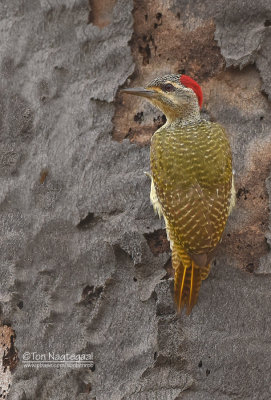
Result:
187,279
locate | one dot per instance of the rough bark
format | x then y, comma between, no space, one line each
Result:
85,264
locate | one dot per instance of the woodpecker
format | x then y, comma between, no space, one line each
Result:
191,180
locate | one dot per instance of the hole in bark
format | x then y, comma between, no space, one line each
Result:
267,23
250,268
86,222
158,16
139,117
242,192
146,54
20,305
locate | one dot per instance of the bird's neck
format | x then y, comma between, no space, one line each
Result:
183,117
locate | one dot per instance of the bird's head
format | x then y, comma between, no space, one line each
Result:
179,97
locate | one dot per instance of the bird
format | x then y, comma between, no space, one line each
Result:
192,184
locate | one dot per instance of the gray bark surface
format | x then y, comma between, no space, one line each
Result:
83,258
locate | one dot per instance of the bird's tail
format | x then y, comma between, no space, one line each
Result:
187,279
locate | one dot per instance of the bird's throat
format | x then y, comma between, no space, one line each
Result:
180,115
183,120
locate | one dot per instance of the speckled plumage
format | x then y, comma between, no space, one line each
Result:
192,175
192,183
191,169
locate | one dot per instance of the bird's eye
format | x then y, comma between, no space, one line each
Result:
168,87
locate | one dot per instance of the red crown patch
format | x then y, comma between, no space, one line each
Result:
190,83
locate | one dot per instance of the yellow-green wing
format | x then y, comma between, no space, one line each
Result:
192,173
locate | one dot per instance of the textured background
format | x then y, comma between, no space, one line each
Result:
85,264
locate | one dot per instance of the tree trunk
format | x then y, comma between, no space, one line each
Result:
85,263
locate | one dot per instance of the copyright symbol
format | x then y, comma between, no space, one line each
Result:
26,356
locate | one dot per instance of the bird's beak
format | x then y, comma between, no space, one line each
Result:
140,92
